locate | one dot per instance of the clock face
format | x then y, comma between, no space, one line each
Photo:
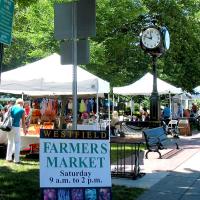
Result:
151,38
167,39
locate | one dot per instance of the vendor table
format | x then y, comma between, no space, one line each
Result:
100,126
26,140
87,127
3,137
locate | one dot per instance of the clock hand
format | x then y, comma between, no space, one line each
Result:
148,37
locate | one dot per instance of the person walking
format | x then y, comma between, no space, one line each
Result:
166,114
180,111
14,139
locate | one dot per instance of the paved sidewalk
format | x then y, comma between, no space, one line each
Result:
183,183
176,178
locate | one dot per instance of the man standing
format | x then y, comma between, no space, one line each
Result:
194,109
180,111
166,113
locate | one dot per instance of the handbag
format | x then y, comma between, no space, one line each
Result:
7,122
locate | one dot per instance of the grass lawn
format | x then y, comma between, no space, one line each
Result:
21,182
128,149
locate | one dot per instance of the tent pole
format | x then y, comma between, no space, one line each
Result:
131,107
118,103
170,105
74,91
181,106
22,95
113,107
1,58
109,114
97,113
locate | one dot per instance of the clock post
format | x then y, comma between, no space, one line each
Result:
154,98
154,41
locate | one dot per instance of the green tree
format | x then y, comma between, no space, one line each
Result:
116,55
33,31
180,65
118,26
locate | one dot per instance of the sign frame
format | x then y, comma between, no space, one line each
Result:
75,163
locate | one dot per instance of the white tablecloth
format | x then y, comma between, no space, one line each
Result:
26,140
93,127
3,137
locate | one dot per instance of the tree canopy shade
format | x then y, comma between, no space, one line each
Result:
115,52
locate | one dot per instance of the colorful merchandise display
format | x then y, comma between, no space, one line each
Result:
45,113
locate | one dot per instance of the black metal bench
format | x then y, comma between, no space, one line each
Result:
156,140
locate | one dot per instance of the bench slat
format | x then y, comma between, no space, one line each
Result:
156,140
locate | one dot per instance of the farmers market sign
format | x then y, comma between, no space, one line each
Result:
74,159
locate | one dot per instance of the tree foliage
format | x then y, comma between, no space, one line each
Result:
32,33
115,52
119,24
181,64
118,28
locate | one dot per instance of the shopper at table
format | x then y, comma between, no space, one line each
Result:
114,124
186,113
14,139
28,113
194,109
180,111
166,113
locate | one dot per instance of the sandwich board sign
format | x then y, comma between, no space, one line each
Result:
75,164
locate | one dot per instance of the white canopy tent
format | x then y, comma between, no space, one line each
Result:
144,86
197,93
181,98
48,77
197,89
196,96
